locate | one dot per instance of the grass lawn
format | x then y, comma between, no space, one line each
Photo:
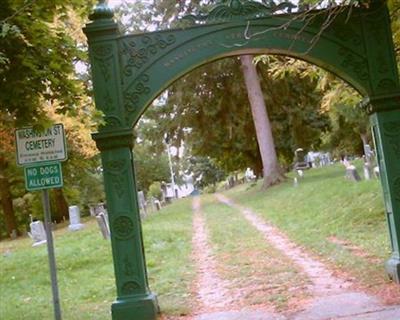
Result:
168,243
341,221
85,272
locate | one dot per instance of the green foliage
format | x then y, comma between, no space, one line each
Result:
155,190
210,189
210,112
394,9
39,45
37,55
349,123
150,166
205,172
292,95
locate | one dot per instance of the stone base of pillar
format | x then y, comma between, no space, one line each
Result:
143,307
392,267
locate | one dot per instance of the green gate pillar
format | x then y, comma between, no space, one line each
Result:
385,120
134,299
114,140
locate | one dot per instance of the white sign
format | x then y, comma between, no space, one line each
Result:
34,146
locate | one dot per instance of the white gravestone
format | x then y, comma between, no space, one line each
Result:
98,208
142,204
103,225
74,219
38,234
249,175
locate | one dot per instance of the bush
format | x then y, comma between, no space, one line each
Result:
210,189
155,190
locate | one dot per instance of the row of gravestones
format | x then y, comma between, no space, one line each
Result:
38,233
99,211
370,170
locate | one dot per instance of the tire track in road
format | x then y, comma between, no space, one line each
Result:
211,289
333,297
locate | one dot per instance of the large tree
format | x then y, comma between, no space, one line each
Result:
271,171
37,56
209,108
38,50
8,177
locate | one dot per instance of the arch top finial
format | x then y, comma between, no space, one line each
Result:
101,11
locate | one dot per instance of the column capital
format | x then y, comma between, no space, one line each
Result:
103,24
108,140
380,103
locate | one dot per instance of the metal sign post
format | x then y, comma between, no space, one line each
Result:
40,152
50,251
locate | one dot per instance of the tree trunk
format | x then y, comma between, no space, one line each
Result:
271,170
6,200
61,206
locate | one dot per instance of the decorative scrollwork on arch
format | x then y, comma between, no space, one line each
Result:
236,9
132,96
112,122
357,64
137,52
116,169
103,54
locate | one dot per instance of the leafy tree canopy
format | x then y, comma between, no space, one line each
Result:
37,55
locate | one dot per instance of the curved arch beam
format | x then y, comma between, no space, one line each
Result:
190,48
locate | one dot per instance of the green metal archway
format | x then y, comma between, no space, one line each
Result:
130,71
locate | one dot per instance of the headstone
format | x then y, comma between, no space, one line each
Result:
74,219
102,221
14,234
300,173
142,204
300,160
249,175
97,208
158,205
92,211
38,234
100,207
352,174
376,172
368,169
231,181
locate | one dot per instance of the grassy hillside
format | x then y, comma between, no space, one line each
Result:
340,221
85,271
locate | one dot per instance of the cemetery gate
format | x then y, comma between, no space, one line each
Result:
129,71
